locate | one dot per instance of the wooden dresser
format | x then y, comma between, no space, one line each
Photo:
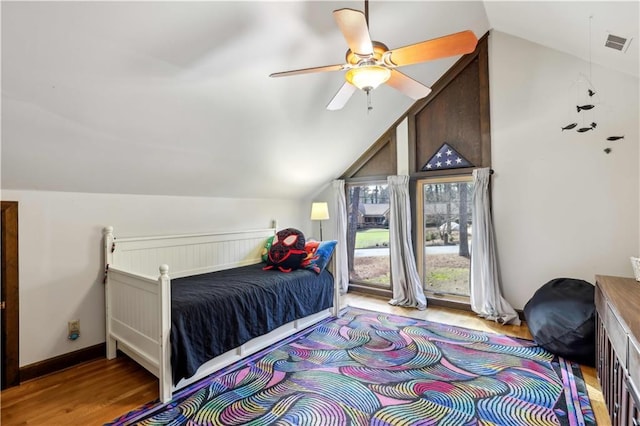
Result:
617,345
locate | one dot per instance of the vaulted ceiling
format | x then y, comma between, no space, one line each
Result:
174,98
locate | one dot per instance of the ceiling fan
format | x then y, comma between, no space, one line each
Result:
371,63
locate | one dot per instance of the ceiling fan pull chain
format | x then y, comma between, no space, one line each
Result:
369,106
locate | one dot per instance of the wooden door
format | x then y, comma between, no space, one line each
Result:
9,302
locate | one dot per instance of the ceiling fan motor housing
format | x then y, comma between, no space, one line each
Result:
379,49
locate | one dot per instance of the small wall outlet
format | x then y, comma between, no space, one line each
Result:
74,329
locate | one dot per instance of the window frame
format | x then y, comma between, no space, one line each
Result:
420,228
363,285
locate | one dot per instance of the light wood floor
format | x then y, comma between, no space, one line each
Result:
99,391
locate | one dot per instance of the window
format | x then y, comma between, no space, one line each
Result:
368,234
444,233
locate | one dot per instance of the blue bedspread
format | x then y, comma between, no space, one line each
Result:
215,312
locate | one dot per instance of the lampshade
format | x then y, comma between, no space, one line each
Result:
368,77
319,211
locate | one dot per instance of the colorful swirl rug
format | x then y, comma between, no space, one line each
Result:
370,368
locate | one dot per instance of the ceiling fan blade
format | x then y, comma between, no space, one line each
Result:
353,25
450,45
405,84
309,70
340,99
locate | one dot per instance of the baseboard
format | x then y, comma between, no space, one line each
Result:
457,302
448,303
370,290
60,362
433,299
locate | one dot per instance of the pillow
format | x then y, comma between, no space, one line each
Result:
319,259
266,248
310,249
287,250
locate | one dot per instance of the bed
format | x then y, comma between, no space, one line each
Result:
164,311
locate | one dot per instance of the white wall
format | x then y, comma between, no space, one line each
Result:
562,207
60,243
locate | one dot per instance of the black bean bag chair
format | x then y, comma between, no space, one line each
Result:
561,318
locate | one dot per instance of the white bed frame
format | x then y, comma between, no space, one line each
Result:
138,301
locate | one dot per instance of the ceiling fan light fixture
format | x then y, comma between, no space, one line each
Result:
368,77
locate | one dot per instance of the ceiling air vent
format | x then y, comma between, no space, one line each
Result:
617,42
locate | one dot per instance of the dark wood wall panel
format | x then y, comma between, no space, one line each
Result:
452,117
456,112
381,163
378,161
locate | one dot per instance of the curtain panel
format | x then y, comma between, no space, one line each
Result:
486,298
340,215
406,284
